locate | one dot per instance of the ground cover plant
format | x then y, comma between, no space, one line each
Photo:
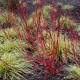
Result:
40,46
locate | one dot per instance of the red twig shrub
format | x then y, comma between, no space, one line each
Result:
47,45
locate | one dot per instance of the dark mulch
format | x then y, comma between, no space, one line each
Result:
59,76
39,75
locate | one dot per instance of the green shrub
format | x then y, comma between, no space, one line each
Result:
10,33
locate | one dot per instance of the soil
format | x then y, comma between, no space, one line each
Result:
40,76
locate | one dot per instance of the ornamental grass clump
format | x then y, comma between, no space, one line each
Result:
40,16
47,10
66,23
67,7
8,33
74,72
9,66
12,66
11,46
53,43
36,2
59,4
7,19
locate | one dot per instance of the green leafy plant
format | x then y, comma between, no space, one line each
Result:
78,29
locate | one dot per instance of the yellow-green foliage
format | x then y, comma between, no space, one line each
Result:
46,35
10,46
74,72
7,62
10,33
65,22
78,29
51,45
7,18
2,35
47,11
61,44
45,16
59,4
54,42
10,66
67,7
39,19
32,22
48,8
36,2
